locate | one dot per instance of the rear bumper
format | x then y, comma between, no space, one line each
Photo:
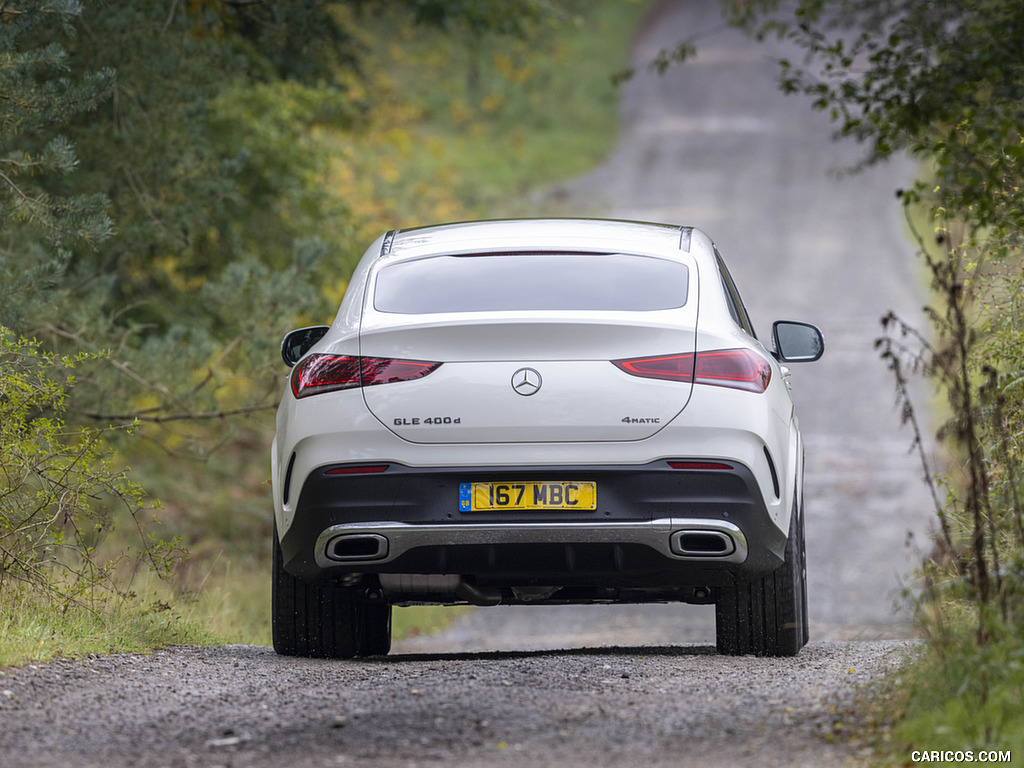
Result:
654,526
382,543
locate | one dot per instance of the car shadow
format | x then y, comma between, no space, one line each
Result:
666,651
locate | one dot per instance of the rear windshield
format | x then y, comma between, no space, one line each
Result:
531,281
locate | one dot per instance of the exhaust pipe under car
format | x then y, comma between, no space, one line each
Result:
438,585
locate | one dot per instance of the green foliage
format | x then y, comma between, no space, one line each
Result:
208,160
58,491
206,154
961,696
943,80
469,20
981,542
61,493
234,157
37,98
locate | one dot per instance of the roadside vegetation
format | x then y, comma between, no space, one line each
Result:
181,184
945,82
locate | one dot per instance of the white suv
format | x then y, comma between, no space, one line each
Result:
538,411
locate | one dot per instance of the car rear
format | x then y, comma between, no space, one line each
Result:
534,418
491,407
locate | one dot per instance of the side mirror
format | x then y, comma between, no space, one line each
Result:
797,342
298,343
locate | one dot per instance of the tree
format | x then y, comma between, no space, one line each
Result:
38,100
56,481
37,97
206,159
206,153
943,80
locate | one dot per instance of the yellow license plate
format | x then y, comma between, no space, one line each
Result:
530,494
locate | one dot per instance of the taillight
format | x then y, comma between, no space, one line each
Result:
317,374
735,368
670,367
732,368
324,373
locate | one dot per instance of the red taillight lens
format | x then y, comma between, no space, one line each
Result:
733,368
670,367
383,370
324,373
329,373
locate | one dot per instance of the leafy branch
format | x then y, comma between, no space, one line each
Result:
57,486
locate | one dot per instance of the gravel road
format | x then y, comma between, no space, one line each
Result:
244,706
712,144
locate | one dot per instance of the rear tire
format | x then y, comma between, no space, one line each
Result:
374,630
767,615
322,619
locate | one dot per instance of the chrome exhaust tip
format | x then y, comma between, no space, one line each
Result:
696,543
357,547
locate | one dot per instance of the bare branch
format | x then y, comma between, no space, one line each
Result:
141,415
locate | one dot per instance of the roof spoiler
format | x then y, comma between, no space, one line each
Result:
685,233
385,246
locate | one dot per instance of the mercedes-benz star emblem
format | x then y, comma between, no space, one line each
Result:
526,381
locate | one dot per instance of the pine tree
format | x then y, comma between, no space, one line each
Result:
37,98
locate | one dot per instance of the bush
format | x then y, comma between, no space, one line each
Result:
58,489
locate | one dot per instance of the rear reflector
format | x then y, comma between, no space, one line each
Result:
732,368
317,374
361,469
707,465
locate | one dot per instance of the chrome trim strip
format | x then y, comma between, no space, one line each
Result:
658,534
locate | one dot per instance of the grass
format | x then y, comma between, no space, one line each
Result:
31,630
233,606
952,696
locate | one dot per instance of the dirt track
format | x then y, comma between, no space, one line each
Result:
244,706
